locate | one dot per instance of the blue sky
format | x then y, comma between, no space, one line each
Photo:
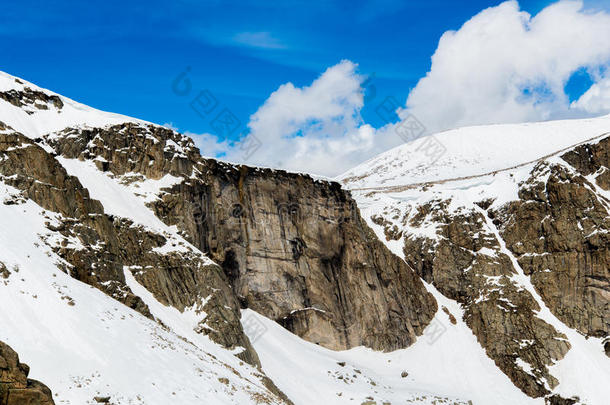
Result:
123,56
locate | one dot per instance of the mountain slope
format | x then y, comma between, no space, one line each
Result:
133,268
84,344
472,151
91,183
524,251
59,243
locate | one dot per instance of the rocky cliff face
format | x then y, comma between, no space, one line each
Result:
559,233
297,251
292,248
15,386
467,264
483,253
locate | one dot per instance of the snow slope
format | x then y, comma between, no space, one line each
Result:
445,366
40,122
82,343
129,201
585,370
471,151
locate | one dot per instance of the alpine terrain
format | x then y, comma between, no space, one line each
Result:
134,270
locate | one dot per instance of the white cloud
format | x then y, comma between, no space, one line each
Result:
504,65
316,128
209,145
261,39
596,100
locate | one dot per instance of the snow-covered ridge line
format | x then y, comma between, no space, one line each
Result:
399,188
471,151
9,82
35,123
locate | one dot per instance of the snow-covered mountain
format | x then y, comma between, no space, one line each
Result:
134,271
84,342
511,223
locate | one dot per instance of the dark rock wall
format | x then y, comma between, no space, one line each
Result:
292,248
297,251
559,232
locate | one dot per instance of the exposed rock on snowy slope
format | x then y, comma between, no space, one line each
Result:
524,250
322,273
294,249
29,100
15,386
82,237
559,233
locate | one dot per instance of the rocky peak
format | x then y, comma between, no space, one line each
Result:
149,150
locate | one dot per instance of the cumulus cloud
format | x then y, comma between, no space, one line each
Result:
501,66
505,65
211,146
596,100
316,128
